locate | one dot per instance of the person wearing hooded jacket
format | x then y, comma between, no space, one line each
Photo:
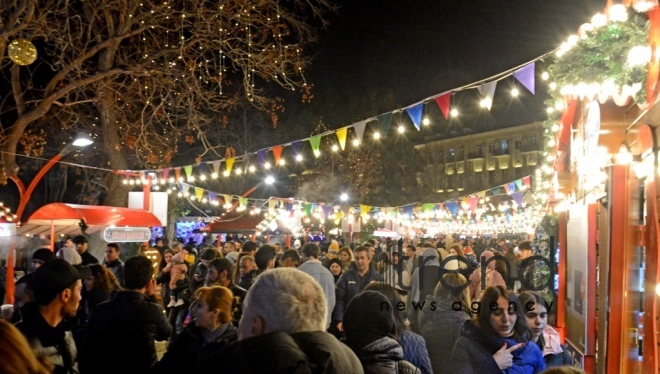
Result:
493,277
370,330
424,280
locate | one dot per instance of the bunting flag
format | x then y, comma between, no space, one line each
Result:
341,136
185,188
277,153
202,168
518,197
166,172
242,201
327,210
199,193
528,198
261,156
525,76
212,196
472,202
527,181
315,142
487,91
496,191
307,209
177,173
272,203
295,146
384,121
452,206
443,103
415,113
512,187
359,129
408,210
228,198
188,170
428,207
364,209
481,194
506,188
519,184
230,163
441,206
216,166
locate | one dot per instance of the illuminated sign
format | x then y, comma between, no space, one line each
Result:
127,234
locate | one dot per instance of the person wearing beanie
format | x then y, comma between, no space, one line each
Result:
40,257
370,329
82,246
56,286
336,268
70,255
178,272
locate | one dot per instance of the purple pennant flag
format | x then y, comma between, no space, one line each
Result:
525,76
408,210
518,196
261,157
296,147
415,114
212,196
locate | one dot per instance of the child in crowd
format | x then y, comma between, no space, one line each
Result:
178,273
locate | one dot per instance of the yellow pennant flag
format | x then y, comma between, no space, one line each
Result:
341,135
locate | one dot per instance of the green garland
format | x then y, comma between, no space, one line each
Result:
602,56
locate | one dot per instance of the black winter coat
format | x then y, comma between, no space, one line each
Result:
384,356
303,352
189,354
128,325
350,284
441,328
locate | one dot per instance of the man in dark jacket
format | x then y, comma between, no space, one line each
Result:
131,322
219,273
56,286
82,246
283,325
352,282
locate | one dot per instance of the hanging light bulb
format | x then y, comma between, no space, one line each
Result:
515,92
426,121
401,129
376,135
454,112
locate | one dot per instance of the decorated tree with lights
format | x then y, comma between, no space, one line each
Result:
143,77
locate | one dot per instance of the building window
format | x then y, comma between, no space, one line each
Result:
532,140
491,148
505,145
460,152
452,153
517,144
480,150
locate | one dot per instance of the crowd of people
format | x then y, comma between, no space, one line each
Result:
241,307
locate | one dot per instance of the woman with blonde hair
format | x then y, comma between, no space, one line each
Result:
346,257
17,355
442,317
201,346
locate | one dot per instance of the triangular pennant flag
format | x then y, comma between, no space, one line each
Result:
428,207
452,206
359,129
443,103
506,188
277,153
212,196
519,184
364,209
307,209
518,197
315,142
415,114
512,187
188,170
272,203
327,210
527,181
408,210
177,173
295,146
481,194
185,188
472,202
242,201
166,172
230,163
261,157
496,191
201,168
487,91
384,121
525,76
528,198
228,198
199,192
341,135
216,166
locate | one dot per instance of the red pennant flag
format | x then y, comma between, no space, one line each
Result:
443,103
277,152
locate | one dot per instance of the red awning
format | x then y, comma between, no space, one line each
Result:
66,217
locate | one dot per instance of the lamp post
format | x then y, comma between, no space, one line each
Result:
81,140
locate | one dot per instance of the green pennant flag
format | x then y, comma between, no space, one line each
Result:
307,209
315,142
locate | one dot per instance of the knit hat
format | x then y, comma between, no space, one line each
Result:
70,255
52,278
369,316
43,254
336,261
334,246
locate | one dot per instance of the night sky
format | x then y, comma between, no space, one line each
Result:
377,56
